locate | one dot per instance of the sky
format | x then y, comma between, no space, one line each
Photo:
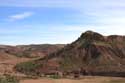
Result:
58,21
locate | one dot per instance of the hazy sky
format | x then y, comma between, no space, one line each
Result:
58,21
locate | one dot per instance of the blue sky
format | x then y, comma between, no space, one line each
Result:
58,21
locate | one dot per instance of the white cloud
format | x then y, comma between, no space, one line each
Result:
20,16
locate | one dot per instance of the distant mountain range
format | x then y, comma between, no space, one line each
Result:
91,54
28,51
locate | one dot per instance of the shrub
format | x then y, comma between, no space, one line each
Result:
55,76
27,67
8,79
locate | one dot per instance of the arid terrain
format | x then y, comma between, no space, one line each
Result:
6,66
62,41
89,79
91,54
86,60
12,55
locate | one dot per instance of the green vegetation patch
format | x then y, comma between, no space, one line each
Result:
8,79
28,67
102,43
54,76
23,54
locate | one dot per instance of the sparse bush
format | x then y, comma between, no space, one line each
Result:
24,54
55,76
28,67
8,79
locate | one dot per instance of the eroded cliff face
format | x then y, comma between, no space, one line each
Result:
92,53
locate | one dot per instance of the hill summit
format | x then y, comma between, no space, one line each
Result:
90,35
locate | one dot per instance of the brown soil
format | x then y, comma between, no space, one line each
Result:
83,80
6,66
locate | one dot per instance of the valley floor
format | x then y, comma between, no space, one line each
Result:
90,79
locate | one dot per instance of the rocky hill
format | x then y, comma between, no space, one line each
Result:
91,54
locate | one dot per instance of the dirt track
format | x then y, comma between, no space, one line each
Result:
83,80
